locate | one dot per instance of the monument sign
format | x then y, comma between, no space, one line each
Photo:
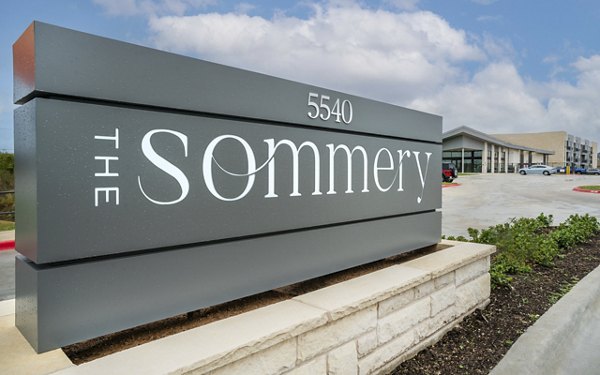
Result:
151,184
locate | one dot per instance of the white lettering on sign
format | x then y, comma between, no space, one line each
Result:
332,151
401,155
208,161
166,166
377,168
114,138
421,174
324,107
295,151
106,191
107,171
382,164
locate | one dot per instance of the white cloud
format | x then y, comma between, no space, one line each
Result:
498,100
495,100
413,58
576,106
376,53
497,49
589,66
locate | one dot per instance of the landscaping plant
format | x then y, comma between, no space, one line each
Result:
523,242
7,183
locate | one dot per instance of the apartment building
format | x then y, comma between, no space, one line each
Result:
568,149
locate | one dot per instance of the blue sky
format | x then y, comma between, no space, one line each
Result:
495,65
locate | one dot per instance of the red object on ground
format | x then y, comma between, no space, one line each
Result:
447,173
586,190
450,185
7,245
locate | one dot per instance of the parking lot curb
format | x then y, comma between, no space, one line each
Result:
7,245
578,189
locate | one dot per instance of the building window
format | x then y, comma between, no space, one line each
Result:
472,160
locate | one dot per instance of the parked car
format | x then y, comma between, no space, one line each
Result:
561,170
538,169
595,171
579,170
449,172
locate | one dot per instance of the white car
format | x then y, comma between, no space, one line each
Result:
538,169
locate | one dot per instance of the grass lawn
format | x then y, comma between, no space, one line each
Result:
6,225
590,187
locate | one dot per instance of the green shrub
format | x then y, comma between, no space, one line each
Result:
523,242
576,229
7,169
499,274
7,182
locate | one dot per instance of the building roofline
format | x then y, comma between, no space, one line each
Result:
465,130
535,133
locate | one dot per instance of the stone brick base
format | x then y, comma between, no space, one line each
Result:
366,325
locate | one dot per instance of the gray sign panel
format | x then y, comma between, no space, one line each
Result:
60,305
52,60
192,179
151,184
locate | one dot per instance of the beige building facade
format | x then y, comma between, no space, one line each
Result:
477,152
569,150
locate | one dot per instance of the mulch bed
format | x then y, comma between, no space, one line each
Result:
482,339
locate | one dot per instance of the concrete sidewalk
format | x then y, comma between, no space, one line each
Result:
16,355
565,340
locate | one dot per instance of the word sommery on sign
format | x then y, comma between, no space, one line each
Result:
383,156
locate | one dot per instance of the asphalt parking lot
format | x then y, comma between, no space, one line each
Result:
484,200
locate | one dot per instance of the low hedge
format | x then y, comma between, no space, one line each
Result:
523,242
